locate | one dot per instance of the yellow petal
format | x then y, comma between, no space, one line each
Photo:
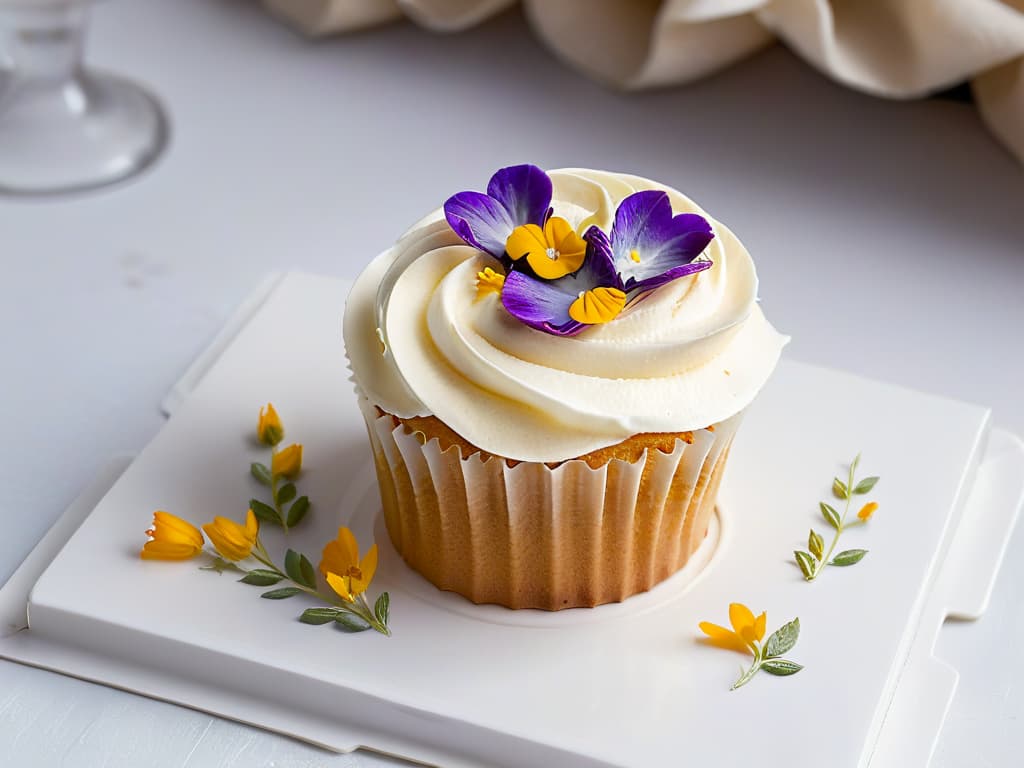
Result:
167,550
760,625
741,618
524,240
598,306
337,583
349,546
368,565
867,510
332,559
287,462
252,526
229,538
723,638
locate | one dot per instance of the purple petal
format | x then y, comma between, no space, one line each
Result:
668,276
524,191
539,304
480,220
644,223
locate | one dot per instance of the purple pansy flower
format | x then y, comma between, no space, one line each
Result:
651,247
517,195
547,305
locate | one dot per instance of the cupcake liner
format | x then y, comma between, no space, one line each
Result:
527,535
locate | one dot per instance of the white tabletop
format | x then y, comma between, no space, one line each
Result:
889,239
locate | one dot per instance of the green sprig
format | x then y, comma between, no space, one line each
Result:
813,561
768,657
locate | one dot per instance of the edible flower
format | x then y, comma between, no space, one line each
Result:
287,462
346,574
552,251
746,630
488,281
746,635
516,196
234,542
171,539
564,307
558,281
652,247
269,430
867,510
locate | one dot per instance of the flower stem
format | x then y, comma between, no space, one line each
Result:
746,676
273,490
842,525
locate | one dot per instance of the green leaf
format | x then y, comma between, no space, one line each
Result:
854,465
298,511
285,493
282,593
865,485
830,514
308,574
299,569
806,563
264,512
382,607
839,489
349,623
781,667
816,544
319,615
260,472
849,557
261,577
782,639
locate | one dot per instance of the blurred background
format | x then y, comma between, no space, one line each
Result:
868,154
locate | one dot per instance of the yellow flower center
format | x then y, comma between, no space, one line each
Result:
552,252
354,572
635,256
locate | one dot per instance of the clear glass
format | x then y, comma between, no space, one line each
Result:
63,127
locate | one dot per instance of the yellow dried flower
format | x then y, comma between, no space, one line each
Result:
746,629
489,281
172,539
269,429
867,510
234,542
345,572
287,462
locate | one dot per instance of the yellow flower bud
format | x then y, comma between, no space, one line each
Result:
171,539
269,429
287,462
234,542
867,510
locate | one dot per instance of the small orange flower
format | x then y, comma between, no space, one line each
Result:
287,462
172,539
345,572
746,630
867,510
234,542
268,428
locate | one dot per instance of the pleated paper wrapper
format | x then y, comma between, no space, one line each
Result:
526,535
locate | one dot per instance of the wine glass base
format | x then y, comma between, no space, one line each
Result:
88,132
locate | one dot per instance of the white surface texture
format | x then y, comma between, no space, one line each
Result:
889,239
513,688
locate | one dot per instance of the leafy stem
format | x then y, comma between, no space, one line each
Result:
817,558
768,657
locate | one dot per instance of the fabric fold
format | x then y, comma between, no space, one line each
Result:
896,49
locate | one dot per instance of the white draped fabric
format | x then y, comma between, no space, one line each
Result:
897,49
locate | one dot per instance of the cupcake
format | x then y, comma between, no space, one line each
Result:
552,373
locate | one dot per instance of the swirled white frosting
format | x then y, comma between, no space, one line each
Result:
692,353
